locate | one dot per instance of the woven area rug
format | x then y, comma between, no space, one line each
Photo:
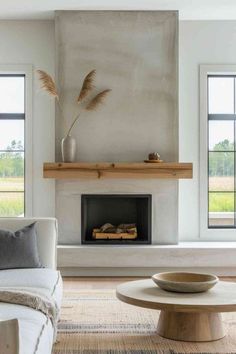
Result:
95,322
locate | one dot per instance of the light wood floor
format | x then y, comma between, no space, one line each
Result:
105,282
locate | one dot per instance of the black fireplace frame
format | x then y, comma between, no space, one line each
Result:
148,234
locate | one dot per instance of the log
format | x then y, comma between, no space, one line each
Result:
113,236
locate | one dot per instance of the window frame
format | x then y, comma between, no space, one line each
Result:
26,70
206,233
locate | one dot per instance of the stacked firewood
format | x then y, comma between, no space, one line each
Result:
122,231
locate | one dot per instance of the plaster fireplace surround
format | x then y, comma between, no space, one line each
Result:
136,55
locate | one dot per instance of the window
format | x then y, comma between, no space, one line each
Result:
12,117
221,151
218,152
14,196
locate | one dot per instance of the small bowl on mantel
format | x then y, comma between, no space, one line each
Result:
185,282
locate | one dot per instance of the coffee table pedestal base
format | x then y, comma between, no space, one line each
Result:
191,326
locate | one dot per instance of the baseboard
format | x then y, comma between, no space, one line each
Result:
140,272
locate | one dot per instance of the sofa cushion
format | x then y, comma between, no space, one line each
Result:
41,278
19,249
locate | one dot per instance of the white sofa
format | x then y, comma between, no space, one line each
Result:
30,322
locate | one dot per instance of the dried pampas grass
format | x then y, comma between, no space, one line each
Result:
48,83
87,86
97,100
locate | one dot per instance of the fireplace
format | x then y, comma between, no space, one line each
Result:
116,218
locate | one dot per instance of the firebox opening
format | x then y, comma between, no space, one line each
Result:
116,219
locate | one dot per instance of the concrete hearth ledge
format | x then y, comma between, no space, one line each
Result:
218,257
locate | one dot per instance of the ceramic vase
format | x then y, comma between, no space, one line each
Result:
68,149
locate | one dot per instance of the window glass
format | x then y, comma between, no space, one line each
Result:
221,95
11,134
221,171
11,171
221,135
12,94
11,204
221,209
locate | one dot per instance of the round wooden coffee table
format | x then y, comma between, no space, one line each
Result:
186,317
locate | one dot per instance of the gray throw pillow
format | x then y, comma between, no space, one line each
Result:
19,249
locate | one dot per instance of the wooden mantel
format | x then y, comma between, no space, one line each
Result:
77,170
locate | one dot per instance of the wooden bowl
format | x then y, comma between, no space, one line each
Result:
181,282
153,161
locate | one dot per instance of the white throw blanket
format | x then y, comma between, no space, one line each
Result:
33,298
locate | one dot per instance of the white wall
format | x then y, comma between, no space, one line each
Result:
32,42
201,42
